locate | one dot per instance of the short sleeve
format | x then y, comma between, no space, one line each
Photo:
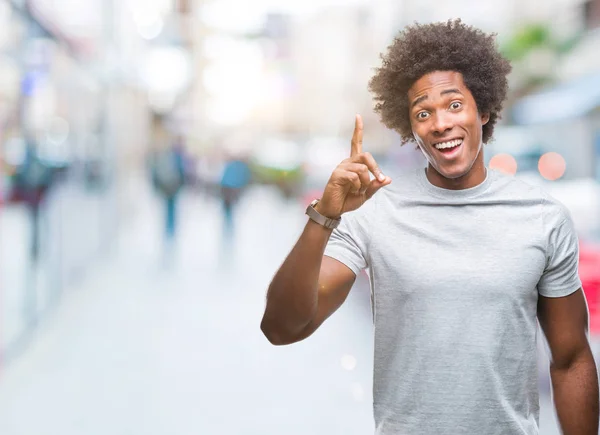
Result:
348,242
561,275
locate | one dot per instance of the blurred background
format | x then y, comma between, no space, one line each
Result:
156,160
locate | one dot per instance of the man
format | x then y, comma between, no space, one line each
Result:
462,260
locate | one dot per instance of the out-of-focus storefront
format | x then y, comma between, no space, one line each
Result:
68,134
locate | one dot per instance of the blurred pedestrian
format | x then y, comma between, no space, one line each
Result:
32,179
234,179
463,260
168,177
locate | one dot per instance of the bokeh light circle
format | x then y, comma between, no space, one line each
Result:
348,362
552,166
504,163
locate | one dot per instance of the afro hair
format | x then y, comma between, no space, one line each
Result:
448,46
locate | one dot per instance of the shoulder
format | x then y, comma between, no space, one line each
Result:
516,187
528,189
556,216
553,212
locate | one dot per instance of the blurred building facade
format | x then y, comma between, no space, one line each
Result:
75,95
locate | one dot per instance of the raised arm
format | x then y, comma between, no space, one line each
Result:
309,287
564,321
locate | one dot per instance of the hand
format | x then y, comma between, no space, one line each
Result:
350,184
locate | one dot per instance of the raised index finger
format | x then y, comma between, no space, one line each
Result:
357,137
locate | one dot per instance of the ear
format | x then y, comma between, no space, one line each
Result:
485,117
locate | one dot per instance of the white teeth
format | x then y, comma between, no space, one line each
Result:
449,144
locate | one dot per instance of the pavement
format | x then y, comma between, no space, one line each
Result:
164,339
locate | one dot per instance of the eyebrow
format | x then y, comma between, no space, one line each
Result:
444,92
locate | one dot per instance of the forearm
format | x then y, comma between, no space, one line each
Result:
292,298
575,392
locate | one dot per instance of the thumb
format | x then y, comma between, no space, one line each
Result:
376,185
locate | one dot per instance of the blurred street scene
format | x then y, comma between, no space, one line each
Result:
156,160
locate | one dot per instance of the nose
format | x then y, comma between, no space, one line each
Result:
442,122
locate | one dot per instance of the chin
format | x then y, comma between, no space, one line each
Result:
453,173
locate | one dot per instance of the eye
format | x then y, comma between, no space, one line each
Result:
422,115
455,105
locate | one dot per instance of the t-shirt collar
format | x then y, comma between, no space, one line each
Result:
452,193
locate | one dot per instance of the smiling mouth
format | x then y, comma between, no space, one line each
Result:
448,145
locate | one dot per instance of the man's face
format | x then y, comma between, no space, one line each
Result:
446,124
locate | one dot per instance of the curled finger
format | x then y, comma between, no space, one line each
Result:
363,174
369,160
352,181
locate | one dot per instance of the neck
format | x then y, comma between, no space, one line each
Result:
475,176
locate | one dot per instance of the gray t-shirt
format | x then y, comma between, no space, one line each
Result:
455,277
